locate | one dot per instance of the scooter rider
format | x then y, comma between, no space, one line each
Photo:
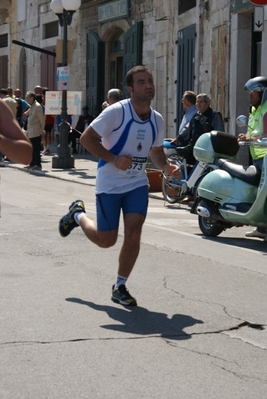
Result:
256,87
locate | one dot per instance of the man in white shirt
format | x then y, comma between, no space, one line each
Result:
122,136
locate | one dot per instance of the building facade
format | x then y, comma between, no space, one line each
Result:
202,45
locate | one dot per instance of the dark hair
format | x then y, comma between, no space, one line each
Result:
19,107
134,70
190,96
3,91
39,98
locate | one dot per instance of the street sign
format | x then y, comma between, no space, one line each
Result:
258,19
62,78
259,2
53,102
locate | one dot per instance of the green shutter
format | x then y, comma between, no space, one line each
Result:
185,66
132,50
95,73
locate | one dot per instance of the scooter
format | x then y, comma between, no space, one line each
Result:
232,195
173,189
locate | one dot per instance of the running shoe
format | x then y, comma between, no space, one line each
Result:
122,295
67,223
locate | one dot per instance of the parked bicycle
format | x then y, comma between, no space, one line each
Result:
174,190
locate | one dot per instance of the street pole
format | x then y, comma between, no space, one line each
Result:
63,159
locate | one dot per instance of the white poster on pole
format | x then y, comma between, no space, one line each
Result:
53,102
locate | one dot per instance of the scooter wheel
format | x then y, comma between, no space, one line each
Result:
208,228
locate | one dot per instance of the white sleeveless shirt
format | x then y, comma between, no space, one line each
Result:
123,132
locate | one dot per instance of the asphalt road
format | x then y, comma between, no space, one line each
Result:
198,332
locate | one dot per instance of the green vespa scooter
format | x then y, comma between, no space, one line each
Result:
233,194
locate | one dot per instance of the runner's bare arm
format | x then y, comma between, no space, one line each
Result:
90,139
13,142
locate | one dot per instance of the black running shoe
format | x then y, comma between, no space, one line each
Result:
122,295
67,223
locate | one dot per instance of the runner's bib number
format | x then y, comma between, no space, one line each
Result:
137,167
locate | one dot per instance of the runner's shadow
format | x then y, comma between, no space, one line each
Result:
140,321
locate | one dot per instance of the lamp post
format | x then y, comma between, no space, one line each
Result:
64,9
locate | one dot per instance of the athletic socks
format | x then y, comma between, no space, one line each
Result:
120,281
77,216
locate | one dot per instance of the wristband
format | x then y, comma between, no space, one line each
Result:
115,158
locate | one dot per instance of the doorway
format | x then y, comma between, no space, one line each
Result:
115,79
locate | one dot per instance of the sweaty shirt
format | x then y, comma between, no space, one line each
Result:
123,132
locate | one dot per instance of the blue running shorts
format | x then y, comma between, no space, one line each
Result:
109,206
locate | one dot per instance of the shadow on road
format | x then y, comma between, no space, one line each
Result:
253,244
140,321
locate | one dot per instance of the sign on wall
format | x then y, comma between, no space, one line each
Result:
258,22
237,5
113,10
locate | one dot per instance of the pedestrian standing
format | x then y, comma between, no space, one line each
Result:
84,120
12,104
122,137
36,123
113,96
49,124
205,120
190,109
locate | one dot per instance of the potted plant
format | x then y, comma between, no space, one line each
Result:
154,177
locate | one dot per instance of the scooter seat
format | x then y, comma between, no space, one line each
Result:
249,174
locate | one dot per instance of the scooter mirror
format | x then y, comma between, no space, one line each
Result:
242,121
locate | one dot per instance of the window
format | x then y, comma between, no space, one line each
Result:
51,30
185,5
117,43
4,40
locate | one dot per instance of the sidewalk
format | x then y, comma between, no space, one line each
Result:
84,171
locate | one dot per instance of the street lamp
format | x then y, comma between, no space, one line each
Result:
64,9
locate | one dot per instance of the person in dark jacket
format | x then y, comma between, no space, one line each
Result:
84,120
205,120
